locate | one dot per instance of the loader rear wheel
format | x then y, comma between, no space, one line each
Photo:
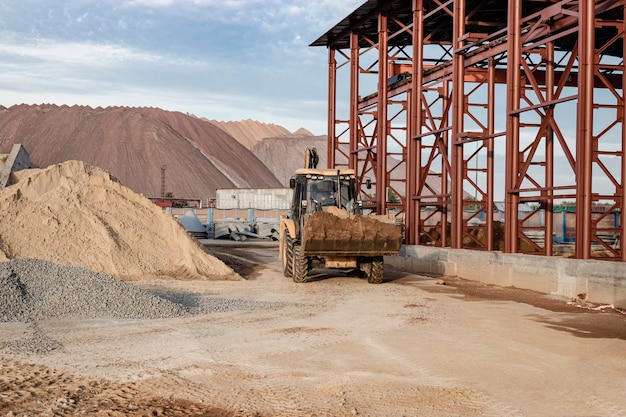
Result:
300,267
288,257
375,275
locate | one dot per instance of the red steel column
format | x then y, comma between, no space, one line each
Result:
414,152
549,174
512,125
445,160
622,204
458,115
584,134
332,106
354,100
491,126
383,124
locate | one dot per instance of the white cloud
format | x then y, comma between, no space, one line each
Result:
86,54
229,60
270,15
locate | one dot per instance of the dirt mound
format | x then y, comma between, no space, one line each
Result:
303,132
77,214
134,144
286,154
362,235
476,237
250,132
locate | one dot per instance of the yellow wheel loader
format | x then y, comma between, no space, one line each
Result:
325,227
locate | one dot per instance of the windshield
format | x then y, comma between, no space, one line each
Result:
324,191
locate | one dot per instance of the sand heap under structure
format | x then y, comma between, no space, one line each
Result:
77,214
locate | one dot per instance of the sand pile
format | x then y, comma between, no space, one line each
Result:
76,214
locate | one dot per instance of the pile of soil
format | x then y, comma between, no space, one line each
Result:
327,232
134,144
476,237
79,215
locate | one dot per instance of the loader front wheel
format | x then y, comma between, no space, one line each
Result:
375,275
300,267
288,257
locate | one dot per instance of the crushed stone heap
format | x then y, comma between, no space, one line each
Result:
32,289
77,214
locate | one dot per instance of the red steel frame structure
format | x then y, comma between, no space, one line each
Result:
454,84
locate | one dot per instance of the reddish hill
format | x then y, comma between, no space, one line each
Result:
250,132
286,154
302,132
133,144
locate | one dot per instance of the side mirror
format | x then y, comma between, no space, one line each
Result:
358,209
368,183
292,183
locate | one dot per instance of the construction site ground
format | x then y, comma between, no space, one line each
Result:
336,346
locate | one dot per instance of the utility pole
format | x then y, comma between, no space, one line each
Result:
163,168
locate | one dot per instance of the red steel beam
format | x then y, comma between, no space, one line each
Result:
513,125
332,106
622,114
354,100
383,123
488,200
548,206
584,130
458,116
415,121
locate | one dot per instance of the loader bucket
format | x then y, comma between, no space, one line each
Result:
350,235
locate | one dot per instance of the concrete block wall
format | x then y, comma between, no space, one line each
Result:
16,160
602,282
20,158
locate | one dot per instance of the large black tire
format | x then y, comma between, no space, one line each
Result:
375,275
288,257
300,267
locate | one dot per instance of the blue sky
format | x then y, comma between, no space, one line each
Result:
224,60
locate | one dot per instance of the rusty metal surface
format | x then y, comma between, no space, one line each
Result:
492,74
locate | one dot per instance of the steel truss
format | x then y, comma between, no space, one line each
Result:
458,87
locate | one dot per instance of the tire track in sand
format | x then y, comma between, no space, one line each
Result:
451,396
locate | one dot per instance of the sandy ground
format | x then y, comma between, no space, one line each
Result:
337,346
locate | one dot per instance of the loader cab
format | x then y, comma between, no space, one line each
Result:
315,190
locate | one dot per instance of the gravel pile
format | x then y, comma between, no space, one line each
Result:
33,289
